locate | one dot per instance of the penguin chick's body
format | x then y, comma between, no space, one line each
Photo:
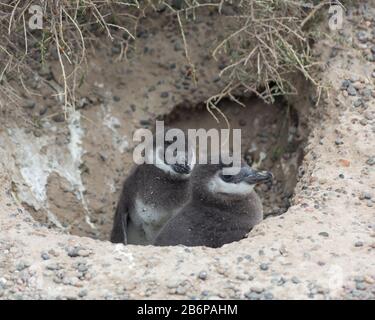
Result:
151,195
222,209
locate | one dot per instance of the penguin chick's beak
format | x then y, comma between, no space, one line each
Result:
252,176
181,168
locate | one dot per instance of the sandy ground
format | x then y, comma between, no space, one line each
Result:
321,248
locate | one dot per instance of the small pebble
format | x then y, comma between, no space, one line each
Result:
82,293
360,286
358,244
268,296
351,90
45,256
29,104
345,84
58,118
358,103
202,275
362,36
295,280
338,142
22,266
371,161
263,266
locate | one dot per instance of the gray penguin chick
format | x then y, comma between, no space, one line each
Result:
222,209
151,195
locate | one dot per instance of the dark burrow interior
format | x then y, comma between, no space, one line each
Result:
272,139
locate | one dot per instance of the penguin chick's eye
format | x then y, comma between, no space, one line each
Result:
226,178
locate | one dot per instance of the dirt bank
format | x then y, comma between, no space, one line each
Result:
321,247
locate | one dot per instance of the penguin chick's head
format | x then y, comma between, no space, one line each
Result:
175,158
212,178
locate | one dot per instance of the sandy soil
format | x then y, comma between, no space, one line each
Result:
66,176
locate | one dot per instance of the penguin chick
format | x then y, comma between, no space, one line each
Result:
151,195
222,209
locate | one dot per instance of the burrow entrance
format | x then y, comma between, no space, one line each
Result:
271,140
69,172
81,194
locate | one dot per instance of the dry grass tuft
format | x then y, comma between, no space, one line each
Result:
266,42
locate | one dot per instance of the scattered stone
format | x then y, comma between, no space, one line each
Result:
263,266
357,103
371,161
29,104
371,57
22,266
82,103
252,295
257,289
53,267
45,256
295,280
338,142
362,36
82,267
360,286
345,84
43,111
358,244
366,93
84,253
351,90
82,293
202,275
53,253
73,252
367,195
181,290
268,296
281,281
355,293
58,118
369,280
344,162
